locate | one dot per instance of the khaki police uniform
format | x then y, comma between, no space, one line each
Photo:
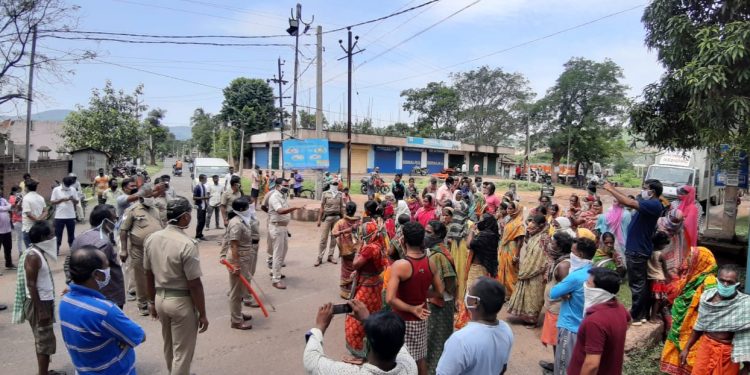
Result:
161,204
277,229
228,198
173,258
247,236
139,222
333,207
269,242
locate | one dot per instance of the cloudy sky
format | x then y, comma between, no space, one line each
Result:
533,37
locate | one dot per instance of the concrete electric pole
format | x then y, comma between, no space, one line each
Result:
349,50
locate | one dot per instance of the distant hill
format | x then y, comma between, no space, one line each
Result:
181,133
51,115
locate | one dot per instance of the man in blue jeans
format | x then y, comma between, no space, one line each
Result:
638,246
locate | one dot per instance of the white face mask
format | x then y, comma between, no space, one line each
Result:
103,231
247,215
49,247
334,188
594,296
107,277
577,262
176,221
646,194
466,301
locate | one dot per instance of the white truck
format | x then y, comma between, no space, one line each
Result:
691,167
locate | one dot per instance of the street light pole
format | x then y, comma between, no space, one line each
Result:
295,24
280,81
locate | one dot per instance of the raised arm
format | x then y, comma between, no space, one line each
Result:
620,197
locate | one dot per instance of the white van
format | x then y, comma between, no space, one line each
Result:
209,167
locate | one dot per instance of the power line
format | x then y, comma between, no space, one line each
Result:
171,42
167,36
419,33
384,17
508,48
182,10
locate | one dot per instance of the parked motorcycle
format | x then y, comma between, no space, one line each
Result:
380,186
418,171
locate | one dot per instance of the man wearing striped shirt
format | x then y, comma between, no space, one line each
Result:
99,337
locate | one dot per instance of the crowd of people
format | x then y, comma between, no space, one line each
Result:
424,274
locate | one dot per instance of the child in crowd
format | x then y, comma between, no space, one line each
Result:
657,277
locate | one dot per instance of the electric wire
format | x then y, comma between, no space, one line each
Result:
171,42
382,18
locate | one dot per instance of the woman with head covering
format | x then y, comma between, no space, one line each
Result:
458,229
587,219
528,296
442,307
368,264
478,204
689,208
574,209
510,248
562,224
700,275
427,212
482,260
607,257
676,252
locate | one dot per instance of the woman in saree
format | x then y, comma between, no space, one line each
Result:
442,306
587,219
368,264
562,224
574,209
482,259
699,275
607,256
458,230
691,210
343,231
476,209
528,296
558,267
676,252
427,212
510,248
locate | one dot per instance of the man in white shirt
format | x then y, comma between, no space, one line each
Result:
65,198
214,190
228,178
385,333
33,209
255,176
483,346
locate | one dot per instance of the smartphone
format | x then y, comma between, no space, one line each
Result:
343,308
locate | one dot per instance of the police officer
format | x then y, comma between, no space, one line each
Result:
331,209
243,235
138,222
229,196
279,217
175,290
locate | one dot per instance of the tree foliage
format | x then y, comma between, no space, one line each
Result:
18,18
155,135
109,123
436,107
203,126
307,120
248,104
703,99
584,109
492,103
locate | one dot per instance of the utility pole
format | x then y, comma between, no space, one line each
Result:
295,23
319,103
242,150
528,150
29,100
213,144
231,159
280,81
349,53
567,161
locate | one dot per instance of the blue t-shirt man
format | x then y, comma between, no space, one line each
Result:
99,337
477,349
571,310
642,228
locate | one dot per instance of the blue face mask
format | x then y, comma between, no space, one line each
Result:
726,290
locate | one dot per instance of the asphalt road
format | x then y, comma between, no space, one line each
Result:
274,345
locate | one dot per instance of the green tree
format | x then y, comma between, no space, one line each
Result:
248,105
203,127
703,98
583,112
154,133
436,107
492,101
109,123
307,120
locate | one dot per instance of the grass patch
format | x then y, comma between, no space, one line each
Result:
627,178
624,295
742,225
643,361
152,170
